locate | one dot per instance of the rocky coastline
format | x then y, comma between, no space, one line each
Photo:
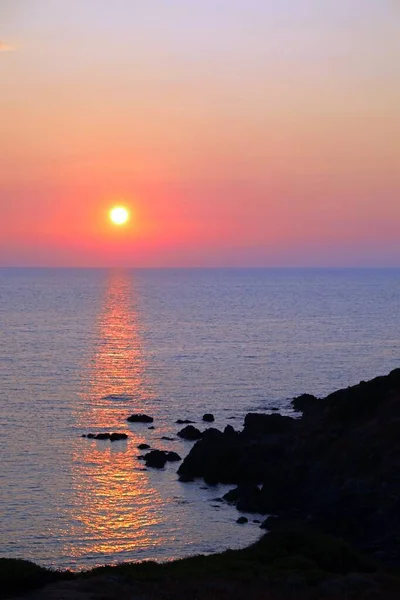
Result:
327,482
336,468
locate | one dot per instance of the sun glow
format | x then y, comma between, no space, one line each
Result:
119,215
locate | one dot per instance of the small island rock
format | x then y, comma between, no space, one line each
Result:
102,436
140,418
173,456
155,459
115,437
208,418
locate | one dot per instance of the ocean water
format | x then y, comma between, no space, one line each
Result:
80,350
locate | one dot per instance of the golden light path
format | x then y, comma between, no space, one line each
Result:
119,215
116,508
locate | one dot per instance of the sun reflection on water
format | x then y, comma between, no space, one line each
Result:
117,370
115,507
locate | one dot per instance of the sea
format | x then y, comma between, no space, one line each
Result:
82,349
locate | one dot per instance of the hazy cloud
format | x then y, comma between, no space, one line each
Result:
5,47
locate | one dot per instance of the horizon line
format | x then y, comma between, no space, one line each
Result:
203,268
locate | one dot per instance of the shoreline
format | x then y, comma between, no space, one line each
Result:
330,480
292,562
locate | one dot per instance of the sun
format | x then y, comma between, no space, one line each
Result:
119,215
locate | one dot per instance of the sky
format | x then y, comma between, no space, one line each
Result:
239,133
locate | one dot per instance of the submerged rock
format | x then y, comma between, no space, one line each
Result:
242,520
143,446
123,397
190,433
184,421
140,418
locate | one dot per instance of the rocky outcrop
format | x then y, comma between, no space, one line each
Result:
337,466
190,433
246,497
242,520
113,437
173,456
155,459
158,458
208,418
306,403
140,418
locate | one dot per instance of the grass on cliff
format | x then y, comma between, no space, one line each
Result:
275,558
17,576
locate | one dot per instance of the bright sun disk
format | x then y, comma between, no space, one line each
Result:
119,215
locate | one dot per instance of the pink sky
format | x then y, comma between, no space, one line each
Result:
240,133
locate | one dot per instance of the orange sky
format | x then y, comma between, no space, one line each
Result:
240,133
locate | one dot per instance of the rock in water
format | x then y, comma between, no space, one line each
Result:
156,459
208,417
143,446
102,436
190,433
115,437
140,418
242,520
173,456
246,497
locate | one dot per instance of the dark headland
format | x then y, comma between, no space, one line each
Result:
331,480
